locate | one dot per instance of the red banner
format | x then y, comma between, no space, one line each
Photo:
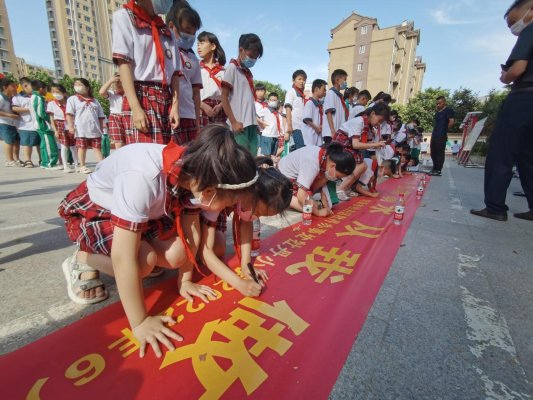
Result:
291,342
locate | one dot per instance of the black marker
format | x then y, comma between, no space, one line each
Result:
252,272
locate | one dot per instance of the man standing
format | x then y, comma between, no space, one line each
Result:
511,141
443,121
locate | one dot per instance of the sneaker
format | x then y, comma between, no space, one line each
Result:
10,164
342,196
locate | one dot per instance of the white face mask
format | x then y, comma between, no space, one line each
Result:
198,202
80,89
58,96
162,6
273,104
331,178
520,25
246,216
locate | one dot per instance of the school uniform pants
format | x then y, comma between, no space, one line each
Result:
248,139
438,149
298,138
48,148
511,143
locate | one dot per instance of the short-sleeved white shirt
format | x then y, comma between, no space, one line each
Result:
26,121
301,165
55,110
369,173
87,116
353,127
296,103
137,46
115,102
5,106
356,110
424,146
131,183
333,103
271,130
311,113
242,96
210,89
260,112
191,78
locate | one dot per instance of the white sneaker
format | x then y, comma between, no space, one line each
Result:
342,196
84,170
68,170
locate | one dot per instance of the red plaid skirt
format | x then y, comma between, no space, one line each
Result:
220,118
156,101
296,186
342,137
221,224
65,138
186,132
85,143
115,128
91,226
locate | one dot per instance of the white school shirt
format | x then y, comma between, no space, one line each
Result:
354,127
334,103
242,96
55,110
301,165
312,114
356,110
5,106
369,173
424,146
210,89
131,183
296,103
190,78
115,102
271,130
260,112
86,117
137,46
25,122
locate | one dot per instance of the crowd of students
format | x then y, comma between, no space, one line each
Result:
196,142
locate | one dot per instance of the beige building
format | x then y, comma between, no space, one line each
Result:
8,61
378,59
25,69
80,31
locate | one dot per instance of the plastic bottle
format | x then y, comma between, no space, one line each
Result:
420,190
307,216
256,238
399,210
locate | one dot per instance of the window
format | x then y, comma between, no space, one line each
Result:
85,8
359,84
87,19
89,29
359,67
362,49
364,30
90,39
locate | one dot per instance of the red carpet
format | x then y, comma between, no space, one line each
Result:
290,343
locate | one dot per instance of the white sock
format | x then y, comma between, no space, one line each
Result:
64,156
74,151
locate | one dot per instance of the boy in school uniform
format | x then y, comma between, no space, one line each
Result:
335,109
29,137
268,141
260,106
8,122
313,115
238,92
294,107
362,100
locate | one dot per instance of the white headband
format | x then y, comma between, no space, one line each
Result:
240,185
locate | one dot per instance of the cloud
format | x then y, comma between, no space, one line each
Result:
442,17
493,44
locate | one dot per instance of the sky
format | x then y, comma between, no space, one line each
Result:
463,42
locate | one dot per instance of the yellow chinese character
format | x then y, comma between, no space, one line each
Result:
324,225
333,266
357,229
389,199
264,261
305,236
317,231
281,251
380,208
294,244
129,344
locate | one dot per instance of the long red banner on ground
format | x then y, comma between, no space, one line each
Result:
291,342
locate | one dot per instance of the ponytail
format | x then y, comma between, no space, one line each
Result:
220,54
344,161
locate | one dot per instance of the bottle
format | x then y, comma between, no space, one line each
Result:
399,210
307,216
256,238
420,190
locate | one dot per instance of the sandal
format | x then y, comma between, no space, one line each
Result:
28,164
73,271
84,170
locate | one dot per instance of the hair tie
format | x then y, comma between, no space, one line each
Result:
238,186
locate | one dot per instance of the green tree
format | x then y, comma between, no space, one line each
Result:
491,107
273,87
462,102
422,107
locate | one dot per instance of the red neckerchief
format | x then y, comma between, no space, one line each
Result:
346,111
278,122
172,165
63,107
247,73
300,93
366,129
141,19
213,72
237,234
86,100
320,109
322,161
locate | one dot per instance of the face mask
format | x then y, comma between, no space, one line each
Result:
331,178
520,25
246,216
273,104
80,89
198,202
248,62
162,6
344,86
58,96
186,41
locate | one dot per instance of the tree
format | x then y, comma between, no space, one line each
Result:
491,107
462,102
422,107
273,87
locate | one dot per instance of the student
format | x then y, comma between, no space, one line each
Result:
238,92
455,149
313,116
48,150
184,22
212,71
149,67
350,95
424,147
362,100
357,135
260,106
114,92
29,137
85,117
272,196
140,209
294,107
268,141
381,97
8,121
335,109
311,168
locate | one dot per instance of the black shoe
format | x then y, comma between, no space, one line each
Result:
435,173
528,216
519,194
485,213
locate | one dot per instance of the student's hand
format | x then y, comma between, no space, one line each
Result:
323,212
189,289
374,195
174,117
261,275
217,109
381,144
15,116
153,331
247,287
140,120
318,130
237,127
209,111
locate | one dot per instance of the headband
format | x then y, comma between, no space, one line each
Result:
244,185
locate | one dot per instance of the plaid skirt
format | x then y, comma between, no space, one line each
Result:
221,224
156,101
86,143
65,138
342,137
220,118
91,226
115,129
186,132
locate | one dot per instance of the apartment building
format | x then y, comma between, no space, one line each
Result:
8,61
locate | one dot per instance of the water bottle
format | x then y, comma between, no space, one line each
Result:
256,238
420,190
307,216
399,210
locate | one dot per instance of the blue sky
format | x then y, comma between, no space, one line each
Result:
463,43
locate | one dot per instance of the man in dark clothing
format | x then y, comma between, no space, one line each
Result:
443,121
511,141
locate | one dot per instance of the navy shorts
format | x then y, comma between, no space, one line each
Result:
29,138
9,134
